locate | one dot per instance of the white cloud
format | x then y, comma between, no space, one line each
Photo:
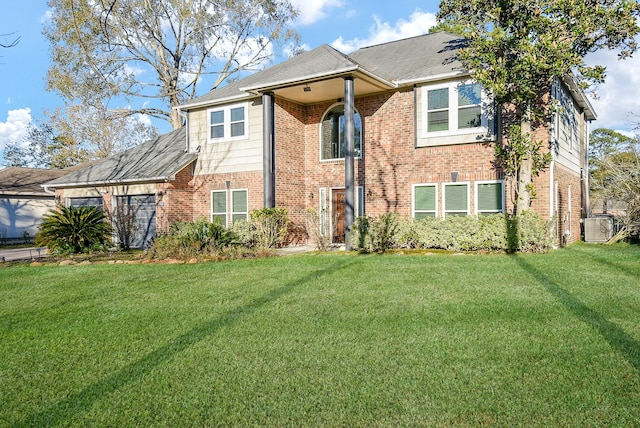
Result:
618,102
314,10
382,32
14,130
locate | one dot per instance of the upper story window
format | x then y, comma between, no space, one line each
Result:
228,123
454,108
332,145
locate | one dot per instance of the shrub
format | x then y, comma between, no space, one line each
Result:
71,230
190,239
499,232
374,235
270,225
315,229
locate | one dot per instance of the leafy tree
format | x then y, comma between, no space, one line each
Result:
74,135
159,49
517,48
615,171
73,229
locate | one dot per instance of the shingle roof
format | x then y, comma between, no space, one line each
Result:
421,57
156,160
17,181
413,59
305,66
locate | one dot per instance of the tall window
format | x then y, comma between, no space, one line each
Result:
453,108
424,201
228,123
489,197
456,199
333,142
232,205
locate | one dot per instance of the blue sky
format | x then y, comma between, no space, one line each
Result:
343,24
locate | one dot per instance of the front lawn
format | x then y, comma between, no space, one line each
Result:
326,340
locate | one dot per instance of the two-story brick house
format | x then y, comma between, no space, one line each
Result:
421,134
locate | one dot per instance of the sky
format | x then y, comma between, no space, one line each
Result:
344,24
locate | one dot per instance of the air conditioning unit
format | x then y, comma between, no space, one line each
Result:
598,229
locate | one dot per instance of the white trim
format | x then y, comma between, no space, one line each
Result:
453,109
322,213
226,202
413,199
444,194
230,208
226,123
503,201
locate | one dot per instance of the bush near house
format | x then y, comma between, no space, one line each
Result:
70,230
528,232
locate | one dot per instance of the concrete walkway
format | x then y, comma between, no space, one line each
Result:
30,253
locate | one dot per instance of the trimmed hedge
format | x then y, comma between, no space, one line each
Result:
528,232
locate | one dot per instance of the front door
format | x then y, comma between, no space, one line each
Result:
338,215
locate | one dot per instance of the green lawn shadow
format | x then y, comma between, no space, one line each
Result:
81,401
620,340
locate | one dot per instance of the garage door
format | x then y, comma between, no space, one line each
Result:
143,208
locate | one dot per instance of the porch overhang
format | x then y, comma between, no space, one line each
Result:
321,87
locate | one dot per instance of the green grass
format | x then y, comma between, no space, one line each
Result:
326,340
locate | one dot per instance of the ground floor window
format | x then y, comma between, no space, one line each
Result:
489,197
455,199
425,201
85,202
231,205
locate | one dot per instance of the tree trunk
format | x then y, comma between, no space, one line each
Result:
524,176
176,118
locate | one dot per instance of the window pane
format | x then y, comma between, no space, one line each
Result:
489,197
438,99
217,131
239,202
219,202
237,129
220,219
333,134
237,114
469,117
469,94
425,198
238,217
420,216
438,121
455,197
217,117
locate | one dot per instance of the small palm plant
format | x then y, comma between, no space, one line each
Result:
73,229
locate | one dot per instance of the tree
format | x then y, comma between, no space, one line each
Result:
614,171
146,50
75,135
516,49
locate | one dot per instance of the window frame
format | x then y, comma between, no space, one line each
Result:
454,109
320,135
415,211
476,198
231,208
227,123
444,198
214,214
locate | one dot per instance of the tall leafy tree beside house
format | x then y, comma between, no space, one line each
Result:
159,50
516,49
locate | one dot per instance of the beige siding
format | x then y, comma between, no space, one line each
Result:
20,216
569,129
227,157
92,192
